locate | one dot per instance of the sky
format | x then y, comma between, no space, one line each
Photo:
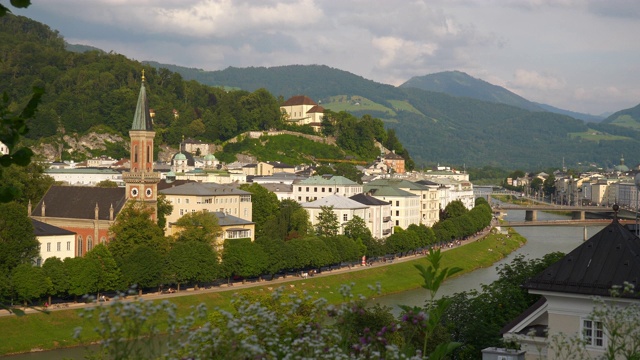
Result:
578,55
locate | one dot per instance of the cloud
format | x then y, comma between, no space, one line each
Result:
525,79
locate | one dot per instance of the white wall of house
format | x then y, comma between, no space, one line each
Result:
60,246
308,191
344,215
85,177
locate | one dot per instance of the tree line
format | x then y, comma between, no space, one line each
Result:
139,254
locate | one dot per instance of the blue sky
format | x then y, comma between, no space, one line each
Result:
576,55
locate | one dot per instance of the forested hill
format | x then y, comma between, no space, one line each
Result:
628,118
436,127
98,90
457,83
94,91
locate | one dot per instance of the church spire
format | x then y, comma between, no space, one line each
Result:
142,117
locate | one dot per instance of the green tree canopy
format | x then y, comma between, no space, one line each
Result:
192,261
108,276
201,226
328,224
18,244
264,205
134,227
29,283
143,267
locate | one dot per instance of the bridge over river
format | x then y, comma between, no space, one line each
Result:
601,215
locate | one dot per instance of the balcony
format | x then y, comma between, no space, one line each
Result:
386,232
386,219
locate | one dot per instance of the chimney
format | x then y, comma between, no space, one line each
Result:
111,213
42,209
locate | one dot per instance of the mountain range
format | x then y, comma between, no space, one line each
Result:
450,117
467,125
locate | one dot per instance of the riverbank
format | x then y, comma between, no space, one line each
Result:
38,331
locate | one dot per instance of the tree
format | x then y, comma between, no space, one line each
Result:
291,221
328,224
30,182
242,257
143,267
356,228
83,276
454,209
549,185
164,208
18,244
108,276
54,269
192,261
13,126
134,227
107,184
264,204
29,283
201,226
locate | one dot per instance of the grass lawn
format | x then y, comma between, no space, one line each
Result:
55,329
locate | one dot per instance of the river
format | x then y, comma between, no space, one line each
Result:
541,240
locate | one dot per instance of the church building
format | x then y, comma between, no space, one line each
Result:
90,211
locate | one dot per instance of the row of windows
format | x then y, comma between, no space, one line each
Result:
59,246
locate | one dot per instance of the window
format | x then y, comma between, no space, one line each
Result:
330,189
322,189
397,213
315,189
307,189
79,245
58,246
103,240
181,212
345,217
179,200
89,243
593,333
48,247
68,245
397,203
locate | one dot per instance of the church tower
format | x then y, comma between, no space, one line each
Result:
141,181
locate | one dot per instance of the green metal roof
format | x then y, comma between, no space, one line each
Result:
142,117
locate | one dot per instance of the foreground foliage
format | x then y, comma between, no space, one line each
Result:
274,326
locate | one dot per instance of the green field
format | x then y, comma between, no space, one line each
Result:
355,103
403,105
626,121
595,135
54,330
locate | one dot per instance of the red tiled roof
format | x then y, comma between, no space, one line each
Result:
316,109
299,100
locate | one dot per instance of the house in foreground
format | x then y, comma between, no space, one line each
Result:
610,258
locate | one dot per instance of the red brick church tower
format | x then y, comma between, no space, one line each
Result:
141,181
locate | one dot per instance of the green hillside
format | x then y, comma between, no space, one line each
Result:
85,90
439,128
457,83
629,118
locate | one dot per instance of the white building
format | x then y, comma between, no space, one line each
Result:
427,191
193,197
344,208
319,186
85,176
405,206
54,241
379,214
